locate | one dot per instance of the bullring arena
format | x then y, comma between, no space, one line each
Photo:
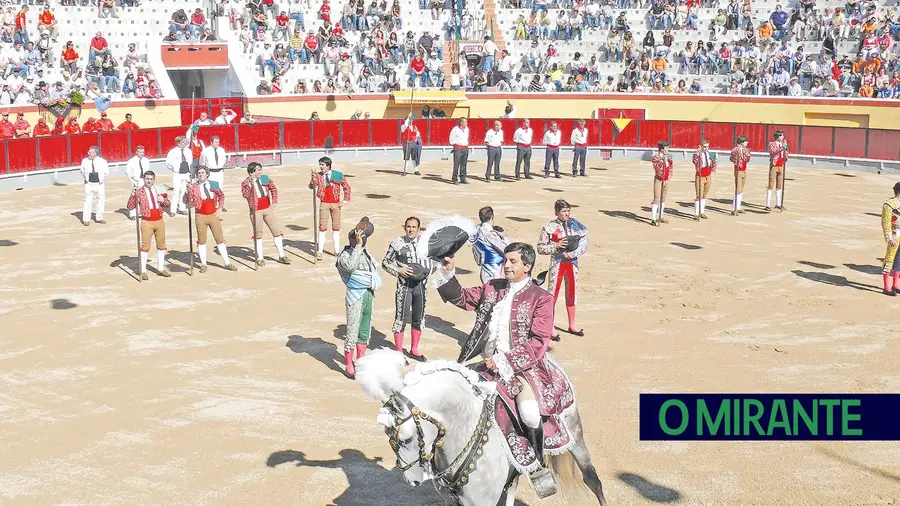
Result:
227,388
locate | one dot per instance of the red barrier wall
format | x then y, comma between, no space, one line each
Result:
26,155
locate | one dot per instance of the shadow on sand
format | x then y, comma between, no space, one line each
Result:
834,280
649,490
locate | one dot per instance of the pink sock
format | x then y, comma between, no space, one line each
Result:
887,281
398,340
348,361
571,311
415,334
361,350
896,275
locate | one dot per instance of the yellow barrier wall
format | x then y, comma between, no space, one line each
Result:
724,108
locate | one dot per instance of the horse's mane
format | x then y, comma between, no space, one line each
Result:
380,373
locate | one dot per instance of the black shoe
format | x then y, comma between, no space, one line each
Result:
455,182
546,176
891,293
528,177
536,438
579,333
556,338
464,181
487,179
498,178
574,174
583,174
557,176
418,358
517,177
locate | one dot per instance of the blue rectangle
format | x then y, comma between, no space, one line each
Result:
782,417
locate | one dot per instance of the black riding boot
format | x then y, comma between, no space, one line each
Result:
536,438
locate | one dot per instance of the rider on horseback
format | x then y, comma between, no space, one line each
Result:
513,325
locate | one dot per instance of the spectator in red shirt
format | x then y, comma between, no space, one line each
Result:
282,27
41,129
89,126
105,124
128,124
21,33
417,65
21,126
72,126
198,22
311,48
99,47
338,33
325,11
7,130
47,22
69,58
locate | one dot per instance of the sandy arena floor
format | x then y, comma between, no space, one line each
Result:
227,388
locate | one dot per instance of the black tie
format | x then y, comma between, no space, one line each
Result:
93,169
261,191
216,156
141,165
206,190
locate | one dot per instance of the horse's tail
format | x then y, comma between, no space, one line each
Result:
569,479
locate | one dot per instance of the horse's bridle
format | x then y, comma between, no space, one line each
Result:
468,457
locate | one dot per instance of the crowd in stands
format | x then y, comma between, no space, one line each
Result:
36,69
360,47
189,28
792,53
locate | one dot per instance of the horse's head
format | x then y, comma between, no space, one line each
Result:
414,434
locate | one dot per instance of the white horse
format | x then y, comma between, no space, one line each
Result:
439,419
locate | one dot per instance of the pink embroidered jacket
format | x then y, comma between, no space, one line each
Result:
195,199
530,326
336,188
141,198
778,154
740,156
249,193
662,167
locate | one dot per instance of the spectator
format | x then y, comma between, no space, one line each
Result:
696,87
127,124
178,25
207,36
248,118
311,50
296,46
435,69
109,82
108,8
58,127
225,117
104,124
98,47
41,129
43,47
93,72
417,71
72,126
47,23
129,86
21,32
197,24
263,89
282,27
21,126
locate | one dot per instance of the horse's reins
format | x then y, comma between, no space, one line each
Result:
467,458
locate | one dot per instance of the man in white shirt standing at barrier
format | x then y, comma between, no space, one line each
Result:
459,139
213,158
522,138
225,117
179,162
579,143
137,165
552,139
493,139
94,170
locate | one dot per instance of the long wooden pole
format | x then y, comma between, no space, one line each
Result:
315,227
191,234
783,177
137,223
253,224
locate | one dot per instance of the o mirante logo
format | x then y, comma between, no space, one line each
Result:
776,417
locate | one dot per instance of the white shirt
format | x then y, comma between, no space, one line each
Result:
499,340
459,136
204,122
579,136
135,169
173,159
489,48
97,165
227,118
523,135
494,138
212,157
552,138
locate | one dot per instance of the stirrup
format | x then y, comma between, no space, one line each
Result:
543,483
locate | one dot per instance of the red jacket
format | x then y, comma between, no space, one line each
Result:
704,168
249,193
128,125
662,167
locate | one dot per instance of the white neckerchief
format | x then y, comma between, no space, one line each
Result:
205,190
152,197
500,339
260,189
